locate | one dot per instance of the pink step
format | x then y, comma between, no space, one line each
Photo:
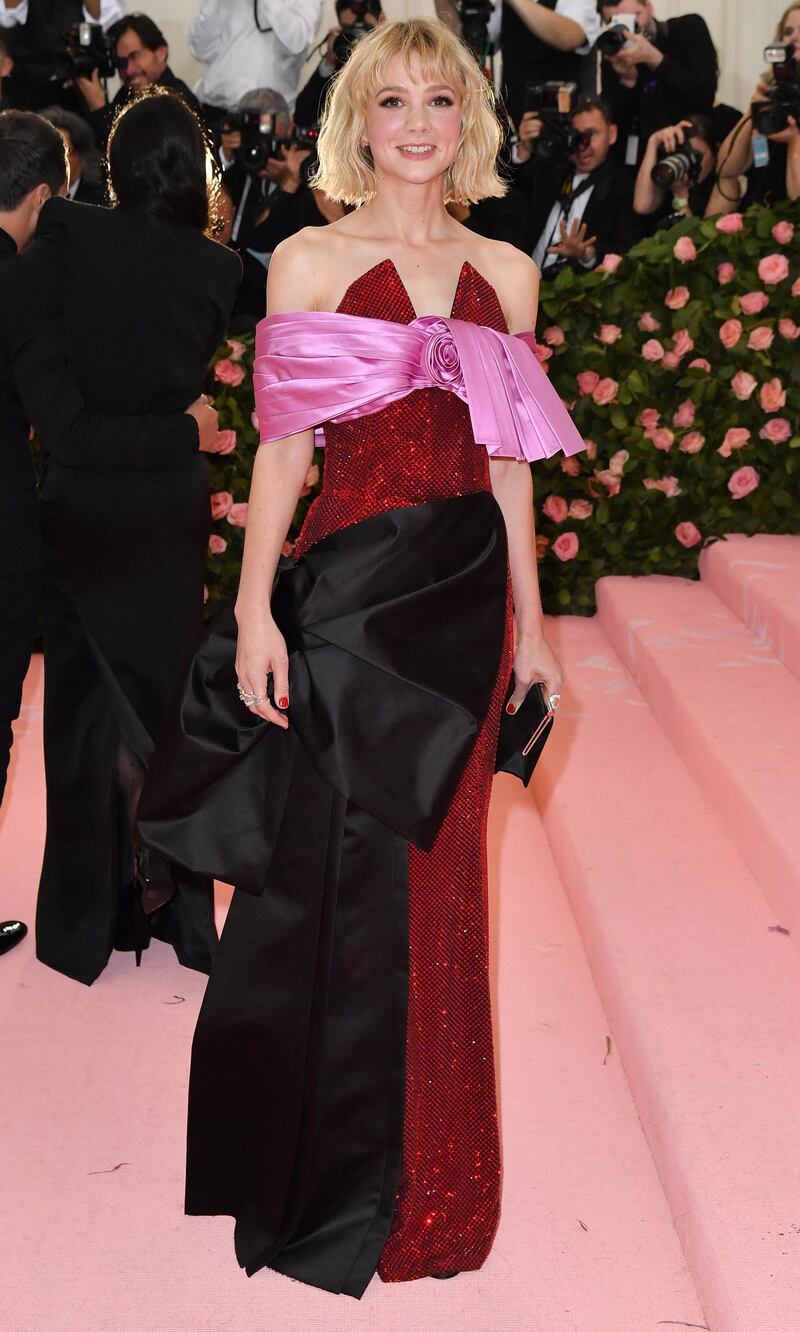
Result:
758,577
701,993
730,708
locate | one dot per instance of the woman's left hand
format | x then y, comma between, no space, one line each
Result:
534,659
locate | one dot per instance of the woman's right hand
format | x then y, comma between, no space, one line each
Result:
207,419
261,652
671,137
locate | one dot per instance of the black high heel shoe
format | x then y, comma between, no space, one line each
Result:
444,1276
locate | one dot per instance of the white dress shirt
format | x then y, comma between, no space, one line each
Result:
584,13
110,11
238,58
551,234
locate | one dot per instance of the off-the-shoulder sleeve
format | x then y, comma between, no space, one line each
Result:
312,367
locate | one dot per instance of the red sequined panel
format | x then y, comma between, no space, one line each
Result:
422,448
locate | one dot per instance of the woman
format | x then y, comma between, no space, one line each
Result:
342,1103
688,194
142,296
771,163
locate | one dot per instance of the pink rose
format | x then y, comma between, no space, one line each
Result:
744,385
661,439
254,421
217,544
609,480
796,287
725,273
671,360
687,534
649,418
581,509
227,372
700,363
684,416
735,438
571,466
605,392
653,350
221,501
226,441
676,298
668,485
555,508
777,431
205,594
616,464
442,362
649,324
590,449
542,354
237,515
287,547
553,336
312,476
730,333
730,223
743,481
788,329
693,442
783,232
587,382
238,349
609,333
772,396
609,265
753,302
761,338
682,342
684,249
773,268
566,546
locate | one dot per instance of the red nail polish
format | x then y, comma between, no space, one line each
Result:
283,702
512,707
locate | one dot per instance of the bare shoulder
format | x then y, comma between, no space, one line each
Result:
515,278
296,272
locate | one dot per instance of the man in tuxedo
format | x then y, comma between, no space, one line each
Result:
33,167
580,207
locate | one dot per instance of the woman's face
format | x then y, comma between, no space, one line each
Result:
412,125
791,29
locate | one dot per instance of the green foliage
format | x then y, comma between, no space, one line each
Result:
631,525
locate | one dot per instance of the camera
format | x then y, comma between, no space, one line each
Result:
353,32
684,163
612,39
784,95
554,104
475,16
260,141
86,49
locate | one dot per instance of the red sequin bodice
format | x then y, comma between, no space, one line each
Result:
417,449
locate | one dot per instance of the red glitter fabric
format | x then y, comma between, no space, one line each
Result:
417,449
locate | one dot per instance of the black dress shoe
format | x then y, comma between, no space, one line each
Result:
444,1276
11,933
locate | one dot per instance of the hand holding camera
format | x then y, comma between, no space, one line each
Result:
775,108
530,128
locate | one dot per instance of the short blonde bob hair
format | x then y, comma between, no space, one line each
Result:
346,170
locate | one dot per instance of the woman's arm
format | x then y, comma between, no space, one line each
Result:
278,476
735,156
647,196
512,484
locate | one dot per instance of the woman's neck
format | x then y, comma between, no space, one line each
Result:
413,215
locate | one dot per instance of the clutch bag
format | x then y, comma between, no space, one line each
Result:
523,734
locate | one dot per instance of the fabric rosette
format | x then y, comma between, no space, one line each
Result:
441,360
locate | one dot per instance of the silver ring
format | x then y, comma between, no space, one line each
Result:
250,699
554,700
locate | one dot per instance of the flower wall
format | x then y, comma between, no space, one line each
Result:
681,365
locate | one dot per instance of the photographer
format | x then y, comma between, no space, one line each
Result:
676,176
36,34
250,44
355,18
662,72
539,40
142,53
85,175
580,197
768,157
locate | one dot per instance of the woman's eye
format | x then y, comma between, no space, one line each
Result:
443,100
390,101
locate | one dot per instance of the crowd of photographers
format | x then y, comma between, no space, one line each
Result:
614,127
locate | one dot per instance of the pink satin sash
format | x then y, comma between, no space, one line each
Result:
315,366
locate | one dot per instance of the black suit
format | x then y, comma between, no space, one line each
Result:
129,313
684,83
609,211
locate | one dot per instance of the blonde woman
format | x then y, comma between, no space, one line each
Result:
342,1101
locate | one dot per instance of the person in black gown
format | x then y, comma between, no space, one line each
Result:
141,297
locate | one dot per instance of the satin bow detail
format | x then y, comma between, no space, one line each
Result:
314,366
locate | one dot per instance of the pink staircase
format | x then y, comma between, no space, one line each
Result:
648,1019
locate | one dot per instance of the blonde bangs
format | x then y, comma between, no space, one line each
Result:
345,171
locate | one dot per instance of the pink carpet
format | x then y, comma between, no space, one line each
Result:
648,1020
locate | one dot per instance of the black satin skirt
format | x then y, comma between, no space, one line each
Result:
395,630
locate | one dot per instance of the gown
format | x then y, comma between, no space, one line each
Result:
342,1099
